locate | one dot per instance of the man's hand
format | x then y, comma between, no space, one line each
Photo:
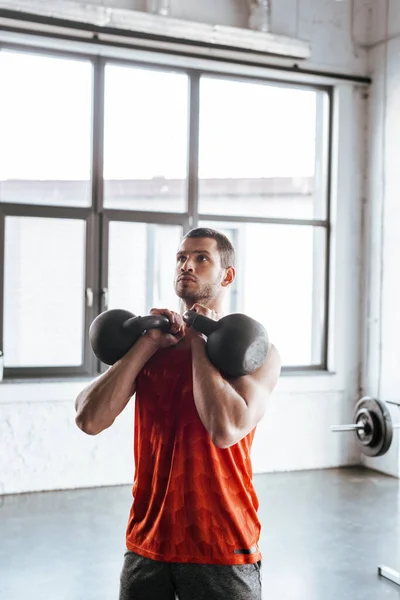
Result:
190,332
164,340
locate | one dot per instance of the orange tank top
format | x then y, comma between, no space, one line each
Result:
192,502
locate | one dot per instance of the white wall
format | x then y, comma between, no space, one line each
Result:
381,373
40,446
43,449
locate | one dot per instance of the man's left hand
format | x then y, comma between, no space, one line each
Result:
190,332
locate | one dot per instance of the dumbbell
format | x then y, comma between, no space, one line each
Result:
373,426
236,344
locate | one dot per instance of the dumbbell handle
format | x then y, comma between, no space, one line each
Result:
148,322
200,322
356,427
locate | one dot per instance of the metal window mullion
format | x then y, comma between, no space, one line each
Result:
328,189
238,285
193,150
57,372
95,247
102,297
44,211
150,264
137,216
325,317
318,325
90,311
103,264
318,312
295,369
98,134
45,51
263,220
2,270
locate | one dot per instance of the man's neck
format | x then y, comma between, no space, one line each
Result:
215,306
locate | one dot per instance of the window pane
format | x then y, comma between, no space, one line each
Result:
281,283
141,266
258,149
44,292
145,139
45,124
231,295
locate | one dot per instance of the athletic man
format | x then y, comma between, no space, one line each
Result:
193,529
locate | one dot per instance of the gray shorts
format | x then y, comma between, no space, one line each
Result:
146,579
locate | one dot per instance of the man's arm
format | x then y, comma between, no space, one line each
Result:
99,404
229,410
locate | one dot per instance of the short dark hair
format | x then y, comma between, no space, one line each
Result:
225,248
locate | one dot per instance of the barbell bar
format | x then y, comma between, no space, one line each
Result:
352,427
373,426
357,427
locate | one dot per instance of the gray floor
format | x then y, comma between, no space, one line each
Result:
323,535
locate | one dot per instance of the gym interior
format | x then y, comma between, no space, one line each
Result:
124,124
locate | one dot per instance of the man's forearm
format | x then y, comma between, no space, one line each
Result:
98,405
219,406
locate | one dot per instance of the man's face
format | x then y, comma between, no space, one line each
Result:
198,273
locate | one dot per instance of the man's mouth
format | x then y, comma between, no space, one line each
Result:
186,278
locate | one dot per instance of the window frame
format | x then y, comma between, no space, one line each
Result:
98,218
79,214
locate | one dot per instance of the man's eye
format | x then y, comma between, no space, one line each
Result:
181,258
202,257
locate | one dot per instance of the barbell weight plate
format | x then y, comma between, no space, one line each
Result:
377,439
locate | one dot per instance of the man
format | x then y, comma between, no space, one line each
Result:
193,528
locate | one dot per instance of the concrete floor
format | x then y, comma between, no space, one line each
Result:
323,535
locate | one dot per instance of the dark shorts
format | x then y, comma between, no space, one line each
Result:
146,579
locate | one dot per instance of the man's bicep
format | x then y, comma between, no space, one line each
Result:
255,389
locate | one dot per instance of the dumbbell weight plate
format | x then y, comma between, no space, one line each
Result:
376,439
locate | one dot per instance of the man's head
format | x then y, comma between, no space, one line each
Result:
204,266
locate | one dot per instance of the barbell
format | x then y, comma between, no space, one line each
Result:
373,426
236,344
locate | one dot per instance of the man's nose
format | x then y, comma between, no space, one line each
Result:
187,265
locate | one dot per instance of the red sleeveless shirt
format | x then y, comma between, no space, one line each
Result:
193,502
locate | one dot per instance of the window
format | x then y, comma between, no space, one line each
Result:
257,151
44,284
278,270
105,164
262,160
141,265
45,124
145,139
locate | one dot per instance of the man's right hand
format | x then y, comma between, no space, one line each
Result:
164,340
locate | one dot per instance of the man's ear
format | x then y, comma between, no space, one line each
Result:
229,277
